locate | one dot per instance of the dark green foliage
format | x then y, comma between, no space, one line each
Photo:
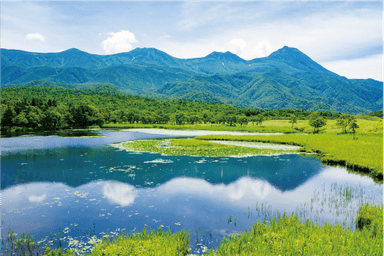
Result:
8,115
316,121
51,108
377,113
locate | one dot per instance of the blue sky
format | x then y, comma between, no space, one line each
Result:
345,37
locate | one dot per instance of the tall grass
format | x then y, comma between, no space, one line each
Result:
363,155
146,243
289,236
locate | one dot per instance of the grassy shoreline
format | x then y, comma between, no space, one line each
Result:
364,155
208,127
286,235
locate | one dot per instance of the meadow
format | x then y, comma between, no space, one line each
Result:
211,127
367,124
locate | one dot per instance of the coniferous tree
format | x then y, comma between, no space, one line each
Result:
7,118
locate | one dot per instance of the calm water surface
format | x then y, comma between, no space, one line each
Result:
82,183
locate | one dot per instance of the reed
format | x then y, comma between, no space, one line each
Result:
287,235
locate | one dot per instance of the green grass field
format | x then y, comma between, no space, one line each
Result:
367,124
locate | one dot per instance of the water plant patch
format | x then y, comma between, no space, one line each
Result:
194,147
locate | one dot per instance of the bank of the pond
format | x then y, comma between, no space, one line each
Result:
208,127
363,155
195,132
192,147
286,235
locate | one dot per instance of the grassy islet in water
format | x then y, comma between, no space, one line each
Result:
194,147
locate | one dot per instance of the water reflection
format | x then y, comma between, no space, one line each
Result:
119,193
79,165
180,203
76,181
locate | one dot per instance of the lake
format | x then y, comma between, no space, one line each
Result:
87,187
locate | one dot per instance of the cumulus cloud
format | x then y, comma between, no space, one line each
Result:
238,42
239,191
119,193
119,42
35,36
263,49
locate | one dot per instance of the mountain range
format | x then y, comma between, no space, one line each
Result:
287,78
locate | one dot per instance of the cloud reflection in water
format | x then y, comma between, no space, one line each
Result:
119,193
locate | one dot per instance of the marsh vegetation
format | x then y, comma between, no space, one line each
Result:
194,147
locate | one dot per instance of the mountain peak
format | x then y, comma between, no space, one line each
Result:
224,56
296,59
286,52
73,50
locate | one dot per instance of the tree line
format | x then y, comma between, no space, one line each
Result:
54,108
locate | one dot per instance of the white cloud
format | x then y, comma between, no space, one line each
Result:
119,193
263,49
369,67
119,42
37,199
198,15
238,192
35,36
238,42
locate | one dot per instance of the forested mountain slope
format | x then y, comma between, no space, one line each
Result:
285,79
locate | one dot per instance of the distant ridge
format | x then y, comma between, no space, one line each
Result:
287,78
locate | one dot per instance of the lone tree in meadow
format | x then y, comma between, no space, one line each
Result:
345,120
316,121
353,127
293,120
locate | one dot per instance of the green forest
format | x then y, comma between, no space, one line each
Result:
55,108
